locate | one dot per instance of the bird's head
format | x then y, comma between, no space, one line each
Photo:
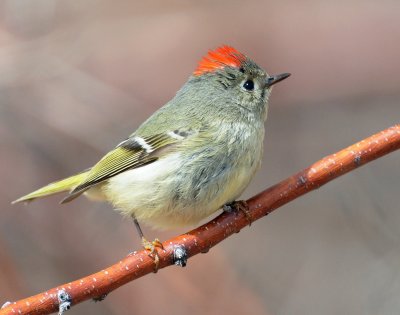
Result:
231,78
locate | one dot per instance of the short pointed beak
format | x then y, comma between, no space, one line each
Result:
276,78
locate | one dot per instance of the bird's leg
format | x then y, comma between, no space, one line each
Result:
149,246
236,206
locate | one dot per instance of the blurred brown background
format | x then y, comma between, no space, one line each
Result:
76,77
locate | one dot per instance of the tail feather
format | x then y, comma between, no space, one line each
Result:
63,185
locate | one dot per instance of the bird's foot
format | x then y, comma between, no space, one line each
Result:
236,206
152,248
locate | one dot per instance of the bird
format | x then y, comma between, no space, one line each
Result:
192,157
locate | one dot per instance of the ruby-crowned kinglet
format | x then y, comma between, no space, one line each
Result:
191,157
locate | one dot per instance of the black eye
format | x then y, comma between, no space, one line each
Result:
249,85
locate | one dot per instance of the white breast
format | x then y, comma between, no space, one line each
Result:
150,192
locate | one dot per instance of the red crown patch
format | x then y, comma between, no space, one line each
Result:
219,59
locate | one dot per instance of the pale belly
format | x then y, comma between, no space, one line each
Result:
169,193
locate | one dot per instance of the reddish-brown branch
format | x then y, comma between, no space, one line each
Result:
203,238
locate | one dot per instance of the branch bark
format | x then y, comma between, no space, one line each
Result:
200,240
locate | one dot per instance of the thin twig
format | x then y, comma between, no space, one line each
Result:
203,238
